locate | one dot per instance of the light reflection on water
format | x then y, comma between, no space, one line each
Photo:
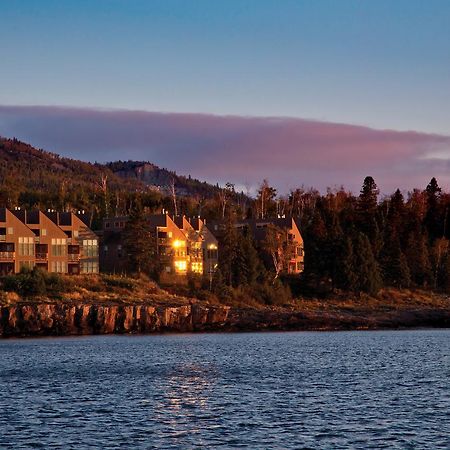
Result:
266,390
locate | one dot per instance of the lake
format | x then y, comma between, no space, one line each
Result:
387,389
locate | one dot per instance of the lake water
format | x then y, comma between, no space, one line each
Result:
255,390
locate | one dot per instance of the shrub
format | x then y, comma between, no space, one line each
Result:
119,282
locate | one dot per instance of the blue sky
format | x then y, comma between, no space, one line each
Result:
379,63
383,64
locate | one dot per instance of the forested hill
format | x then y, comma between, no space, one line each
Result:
162,179
31,177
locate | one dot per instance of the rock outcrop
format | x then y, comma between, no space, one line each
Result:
59,319
53,319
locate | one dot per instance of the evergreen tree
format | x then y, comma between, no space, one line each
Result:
140,243
368,271
228,250
394,263
347,274
367,213
247,264
417,256
434,221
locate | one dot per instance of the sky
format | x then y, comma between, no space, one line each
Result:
317,92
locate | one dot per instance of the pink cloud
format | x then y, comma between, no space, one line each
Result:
288,151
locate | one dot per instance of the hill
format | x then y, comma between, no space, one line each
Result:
161,180
31,177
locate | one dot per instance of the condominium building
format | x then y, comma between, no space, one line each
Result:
258,227
34,239
181,246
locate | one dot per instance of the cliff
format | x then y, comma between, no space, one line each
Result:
57,319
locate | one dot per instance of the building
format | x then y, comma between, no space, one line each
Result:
184,246
35,239
209,246
82,242
17,249
259,227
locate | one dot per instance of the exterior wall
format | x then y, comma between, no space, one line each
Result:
112,255
12,255
83,249
50,242
257,226
182,248
172,250
194,246
35,239
297,263
209,246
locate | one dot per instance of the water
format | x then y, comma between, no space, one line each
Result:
256,390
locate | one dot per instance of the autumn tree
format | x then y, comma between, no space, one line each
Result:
279,247
265,199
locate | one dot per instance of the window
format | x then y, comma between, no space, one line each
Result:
59,247
26,265
107,225
299,251
43,232
105,248
59,266
300,266
89,267
90,248
9,230
212,254
197,267
26,246
75,233
180,266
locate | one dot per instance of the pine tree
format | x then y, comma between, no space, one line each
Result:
418,259
394,263
247,263
347,274
368,271
140,244
228,251
433,217
367,212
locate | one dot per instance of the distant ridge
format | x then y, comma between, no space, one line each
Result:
26,168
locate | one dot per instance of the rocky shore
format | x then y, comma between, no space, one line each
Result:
64,319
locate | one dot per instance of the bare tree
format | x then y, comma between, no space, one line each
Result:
173,193
277,244
224,196
103,185
266,194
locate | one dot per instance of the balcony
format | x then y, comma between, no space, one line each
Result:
41,256
73,257
7,256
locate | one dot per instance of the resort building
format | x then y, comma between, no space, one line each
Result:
181,247
82,242
259,227
35,239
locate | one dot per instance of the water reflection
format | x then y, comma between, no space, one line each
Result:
275,390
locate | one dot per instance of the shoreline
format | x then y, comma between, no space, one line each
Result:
44,319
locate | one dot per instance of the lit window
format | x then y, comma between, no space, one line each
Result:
180,266
197,267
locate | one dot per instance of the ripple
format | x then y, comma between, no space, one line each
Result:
255,390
